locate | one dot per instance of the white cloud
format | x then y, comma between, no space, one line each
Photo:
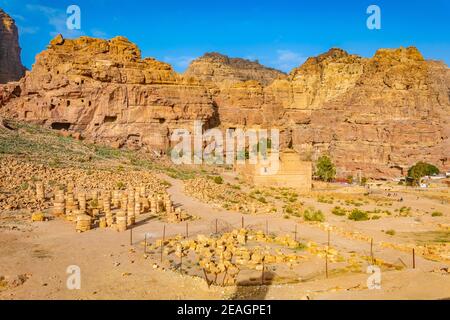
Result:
99,34
18,17
27,30
180,62
57,18
287,60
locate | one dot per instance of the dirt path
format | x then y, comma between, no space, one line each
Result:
111,268
279,225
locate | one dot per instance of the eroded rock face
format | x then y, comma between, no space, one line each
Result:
11,68
374,117
377,116
104,90
220,69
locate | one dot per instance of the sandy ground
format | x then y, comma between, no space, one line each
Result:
112,268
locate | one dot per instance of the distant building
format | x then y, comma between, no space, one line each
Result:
293,173
438,177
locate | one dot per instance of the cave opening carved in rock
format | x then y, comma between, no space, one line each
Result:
61,126
109,119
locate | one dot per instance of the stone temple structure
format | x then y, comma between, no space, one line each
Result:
293,172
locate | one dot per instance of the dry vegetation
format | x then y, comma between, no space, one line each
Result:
49,177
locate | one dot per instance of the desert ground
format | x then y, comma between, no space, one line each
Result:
212,236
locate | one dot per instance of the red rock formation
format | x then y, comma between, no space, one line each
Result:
11,68
220,69
104,90
376,116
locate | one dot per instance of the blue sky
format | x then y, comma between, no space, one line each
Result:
280,34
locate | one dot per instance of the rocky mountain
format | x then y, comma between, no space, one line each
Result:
11,68
374,117
222,70
104,90
378,115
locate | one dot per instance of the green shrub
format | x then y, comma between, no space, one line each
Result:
420,170
338,211
311,214
437,214
358,215
24,186
262,199
363,181
404,211
120,185
391,232
218,180
94,203
323,199
166,183
325,169
376,217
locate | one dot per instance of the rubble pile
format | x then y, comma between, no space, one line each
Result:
118,209
434,252
29,186
224,196
226,255
355,235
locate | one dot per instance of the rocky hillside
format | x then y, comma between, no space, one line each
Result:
11,68
373,116
104,90
220,69
377,115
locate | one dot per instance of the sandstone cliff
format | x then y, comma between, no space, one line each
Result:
222,70
11,68
104,90
373,116
378,115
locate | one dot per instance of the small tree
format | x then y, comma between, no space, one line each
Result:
420,170
325,169
358,215
363,181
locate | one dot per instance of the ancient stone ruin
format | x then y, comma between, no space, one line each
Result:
118,209
292,173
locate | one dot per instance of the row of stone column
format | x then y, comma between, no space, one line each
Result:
126,205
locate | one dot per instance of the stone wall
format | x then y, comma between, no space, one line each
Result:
292,173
